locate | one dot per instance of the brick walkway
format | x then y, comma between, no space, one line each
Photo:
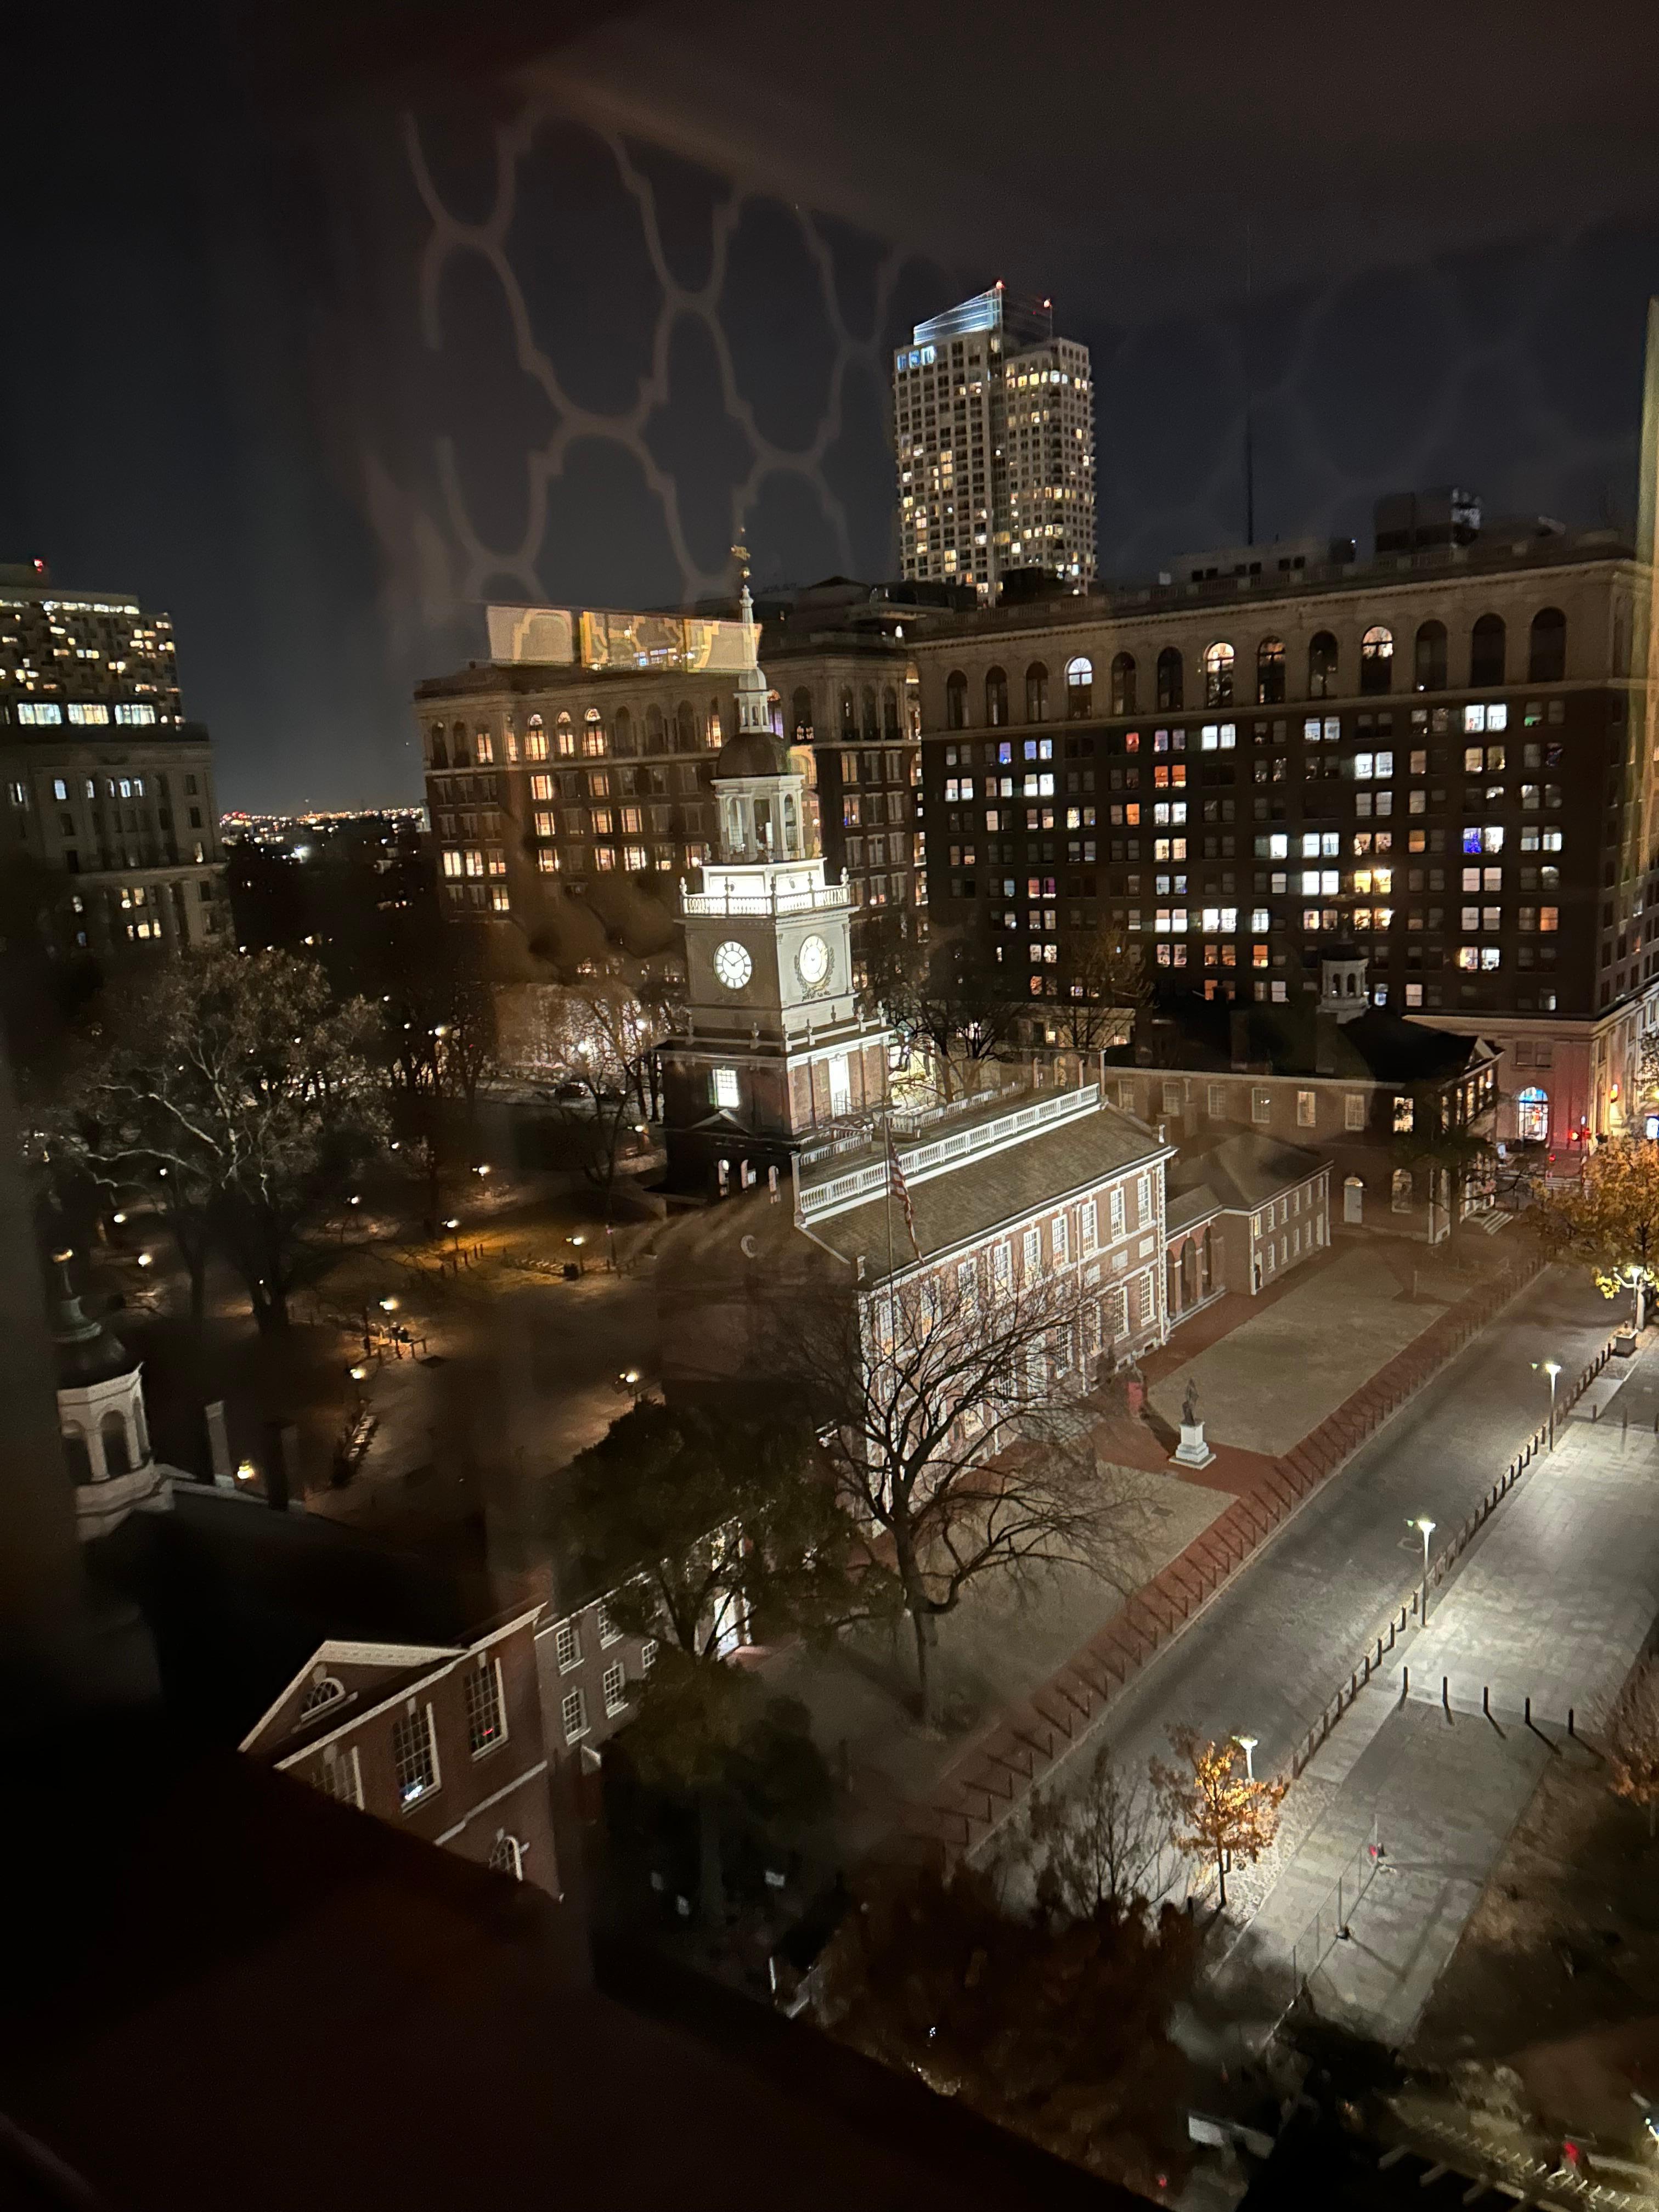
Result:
992,1774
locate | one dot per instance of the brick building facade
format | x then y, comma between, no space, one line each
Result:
445,1741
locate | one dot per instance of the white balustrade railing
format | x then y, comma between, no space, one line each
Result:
917,1162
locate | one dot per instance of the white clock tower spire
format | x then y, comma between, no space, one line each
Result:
774,1047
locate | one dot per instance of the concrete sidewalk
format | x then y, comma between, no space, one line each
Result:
1553,1602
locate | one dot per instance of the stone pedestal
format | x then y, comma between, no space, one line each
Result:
1192,1450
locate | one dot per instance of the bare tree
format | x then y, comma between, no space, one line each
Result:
596,1044
952,1405
1630,1735
244,1083
1101,1843
948,999
1100,981
1456,1160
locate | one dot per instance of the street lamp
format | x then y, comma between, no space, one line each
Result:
1425,1529
1247,1744
1552,1367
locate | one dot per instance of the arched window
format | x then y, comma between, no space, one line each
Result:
1218,675
1123,684
1270,672
460,753
800,713
871,727
1486,642
1430,672
621,733
535,739
593,734
507,1856
326,1690
1547,647
956,701
117,1456
1321,665
1532,1115
1172,677
996,698
1080,688
486,749
774,712
685,727
1037,692
890,711
565,736
1376,660
438,752
713,729
655,736
77,1455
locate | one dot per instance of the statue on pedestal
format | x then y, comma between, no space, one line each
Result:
1192,1450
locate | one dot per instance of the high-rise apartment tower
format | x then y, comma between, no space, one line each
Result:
105,788
993,421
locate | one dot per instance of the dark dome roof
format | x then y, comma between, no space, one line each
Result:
86,1350
748,753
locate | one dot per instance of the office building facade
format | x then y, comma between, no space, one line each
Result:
570,777
1443,756
107,790
995,435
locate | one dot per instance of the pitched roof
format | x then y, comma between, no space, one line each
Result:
971,1200
1244,1171
1378,1045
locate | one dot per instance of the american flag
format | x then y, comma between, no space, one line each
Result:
896,1183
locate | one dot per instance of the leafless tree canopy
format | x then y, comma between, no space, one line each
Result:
1103,1843
954,1412
241,1093
596,1039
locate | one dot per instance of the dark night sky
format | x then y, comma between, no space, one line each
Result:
265,369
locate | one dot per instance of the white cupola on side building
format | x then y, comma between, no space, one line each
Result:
100,1415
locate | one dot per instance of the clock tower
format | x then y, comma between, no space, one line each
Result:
775,1051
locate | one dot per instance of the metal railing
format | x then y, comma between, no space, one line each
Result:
1329,1924
994,1777
829,898
1402,1617
918,1162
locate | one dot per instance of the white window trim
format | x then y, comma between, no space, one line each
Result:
492,1666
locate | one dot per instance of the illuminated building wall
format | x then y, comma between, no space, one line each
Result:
994,432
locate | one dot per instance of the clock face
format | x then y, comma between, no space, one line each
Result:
732,964
813,962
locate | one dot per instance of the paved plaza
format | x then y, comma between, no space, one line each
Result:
1553,1602
1268,1382
1001,1643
